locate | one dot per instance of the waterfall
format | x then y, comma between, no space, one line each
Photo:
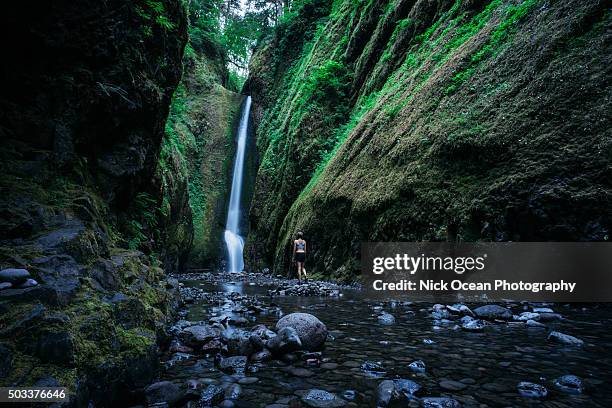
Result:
233,240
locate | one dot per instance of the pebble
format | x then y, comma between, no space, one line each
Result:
322,399
563,338
417,366
569,384
531,390
386,319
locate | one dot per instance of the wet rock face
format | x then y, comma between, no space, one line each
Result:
95,95
312,331
83,113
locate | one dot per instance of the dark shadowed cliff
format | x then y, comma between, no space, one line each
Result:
86,89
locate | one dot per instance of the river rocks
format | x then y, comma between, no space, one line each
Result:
322,399
566,339
211,395
493,312
5,285
263,355
373,369
163,391
231,365
474,325
310,288
398,390
531,390
28,283
198,335
440,402
569,384
417,366
533,323
14,276
527,316
311,331
459,308
405,388
384,393
233,392
286,341
386,319
238,342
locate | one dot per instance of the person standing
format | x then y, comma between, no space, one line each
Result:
299,255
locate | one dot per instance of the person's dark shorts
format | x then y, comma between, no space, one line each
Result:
300,256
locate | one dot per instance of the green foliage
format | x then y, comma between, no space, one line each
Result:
144,220
154,11
512,15
329,84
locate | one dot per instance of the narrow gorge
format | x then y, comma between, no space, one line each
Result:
159,158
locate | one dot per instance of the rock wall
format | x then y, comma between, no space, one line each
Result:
431,120
197,157
86,88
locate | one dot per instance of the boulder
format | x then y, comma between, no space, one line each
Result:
474,325
211,395
322,399
232,365
286,341
14,276
562,338
311,331
384,393
198,335
531,390
493,312
386,319
163,391
569,384
417,366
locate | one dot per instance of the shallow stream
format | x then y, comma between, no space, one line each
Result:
477,369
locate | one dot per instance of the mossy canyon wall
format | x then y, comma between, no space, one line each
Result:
430,120
99,202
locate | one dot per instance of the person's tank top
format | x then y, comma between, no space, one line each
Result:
300,245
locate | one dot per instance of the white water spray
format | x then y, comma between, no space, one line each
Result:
233,241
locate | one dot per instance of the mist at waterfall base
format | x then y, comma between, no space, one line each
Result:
233,241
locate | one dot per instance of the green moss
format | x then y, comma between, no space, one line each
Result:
135,342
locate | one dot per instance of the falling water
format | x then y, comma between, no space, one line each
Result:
233,240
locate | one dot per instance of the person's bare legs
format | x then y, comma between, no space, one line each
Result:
299,271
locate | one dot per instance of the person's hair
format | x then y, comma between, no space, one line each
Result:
300,235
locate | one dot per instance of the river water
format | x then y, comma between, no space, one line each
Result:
482,369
